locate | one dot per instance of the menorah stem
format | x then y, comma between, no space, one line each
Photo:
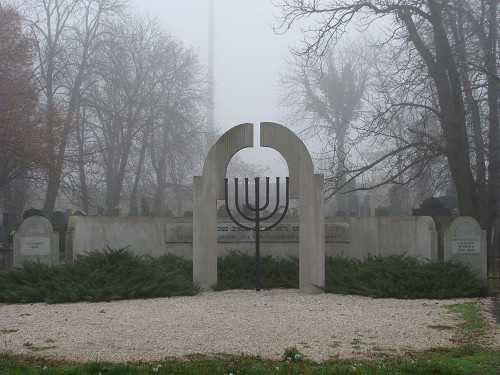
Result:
257,235
257,218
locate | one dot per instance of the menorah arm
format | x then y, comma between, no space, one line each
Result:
277,199
247,202
226,201
267,195
284,211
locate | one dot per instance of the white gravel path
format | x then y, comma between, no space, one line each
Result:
321,326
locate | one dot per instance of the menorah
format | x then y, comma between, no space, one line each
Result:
255,217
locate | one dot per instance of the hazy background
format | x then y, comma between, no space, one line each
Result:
248,58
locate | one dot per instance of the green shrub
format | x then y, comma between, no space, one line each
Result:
402,276
98,276
236,270
119,274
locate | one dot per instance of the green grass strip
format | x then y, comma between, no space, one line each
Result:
428,362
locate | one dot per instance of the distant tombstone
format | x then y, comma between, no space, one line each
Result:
100,211
6,222
466,242
342,202
382,211
495,242
36,241
431,207
187,214
59,220
353,204
67,214
365,211
367,200
80,213
340,213
32,212
455,212
395,206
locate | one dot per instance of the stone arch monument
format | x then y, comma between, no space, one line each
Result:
304,185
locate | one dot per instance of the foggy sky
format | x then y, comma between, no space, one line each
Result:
248,58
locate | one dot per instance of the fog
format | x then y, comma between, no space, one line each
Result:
248,58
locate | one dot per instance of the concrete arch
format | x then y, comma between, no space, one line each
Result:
304,185
207,189
308,188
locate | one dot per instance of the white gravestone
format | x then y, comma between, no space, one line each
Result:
36,241
466,242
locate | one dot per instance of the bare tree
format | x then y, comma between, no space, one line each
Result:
423,30
176,135
66,32
323,98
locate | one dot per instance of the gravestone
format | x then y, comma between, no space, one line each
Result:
32,212
365,211
6,222
36,241
305,185
431,207
466,242
494,255
353,204
59,220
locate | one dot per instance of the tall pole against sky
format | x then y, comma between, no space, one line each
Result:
211,88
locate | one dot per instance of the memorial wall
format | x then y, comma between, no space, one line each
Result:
352,237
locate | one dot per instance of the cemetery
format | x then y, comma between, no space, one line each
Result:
232,251
211,233
143,231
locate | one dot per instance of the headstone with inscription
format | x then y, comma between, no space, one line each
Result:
36,241
466,242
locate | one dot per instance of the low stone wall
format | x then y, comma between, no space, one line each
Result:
351,237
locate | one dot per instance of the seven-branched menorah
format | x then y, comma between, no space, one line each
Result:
255,217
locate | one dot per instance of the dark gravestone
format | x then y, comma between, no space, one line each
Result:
340,213
67,214
431,207
59,220
382,211
6,222
32,212
80,213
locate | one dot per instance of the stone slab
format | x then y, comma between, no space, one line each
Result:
229,232
32,246
466,245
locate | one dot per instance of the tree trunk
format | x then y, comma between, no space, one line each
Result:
133,208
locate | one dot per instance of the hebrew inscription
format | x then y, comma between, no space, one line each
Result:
229,232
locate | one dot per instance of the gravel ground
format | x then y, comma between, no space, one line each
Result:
321,326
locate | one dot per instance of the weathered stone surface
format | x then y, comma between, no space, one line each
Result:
282,233
36,241
304,185
466,242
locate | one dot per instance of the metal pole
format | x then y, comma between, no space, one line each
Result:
257,236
